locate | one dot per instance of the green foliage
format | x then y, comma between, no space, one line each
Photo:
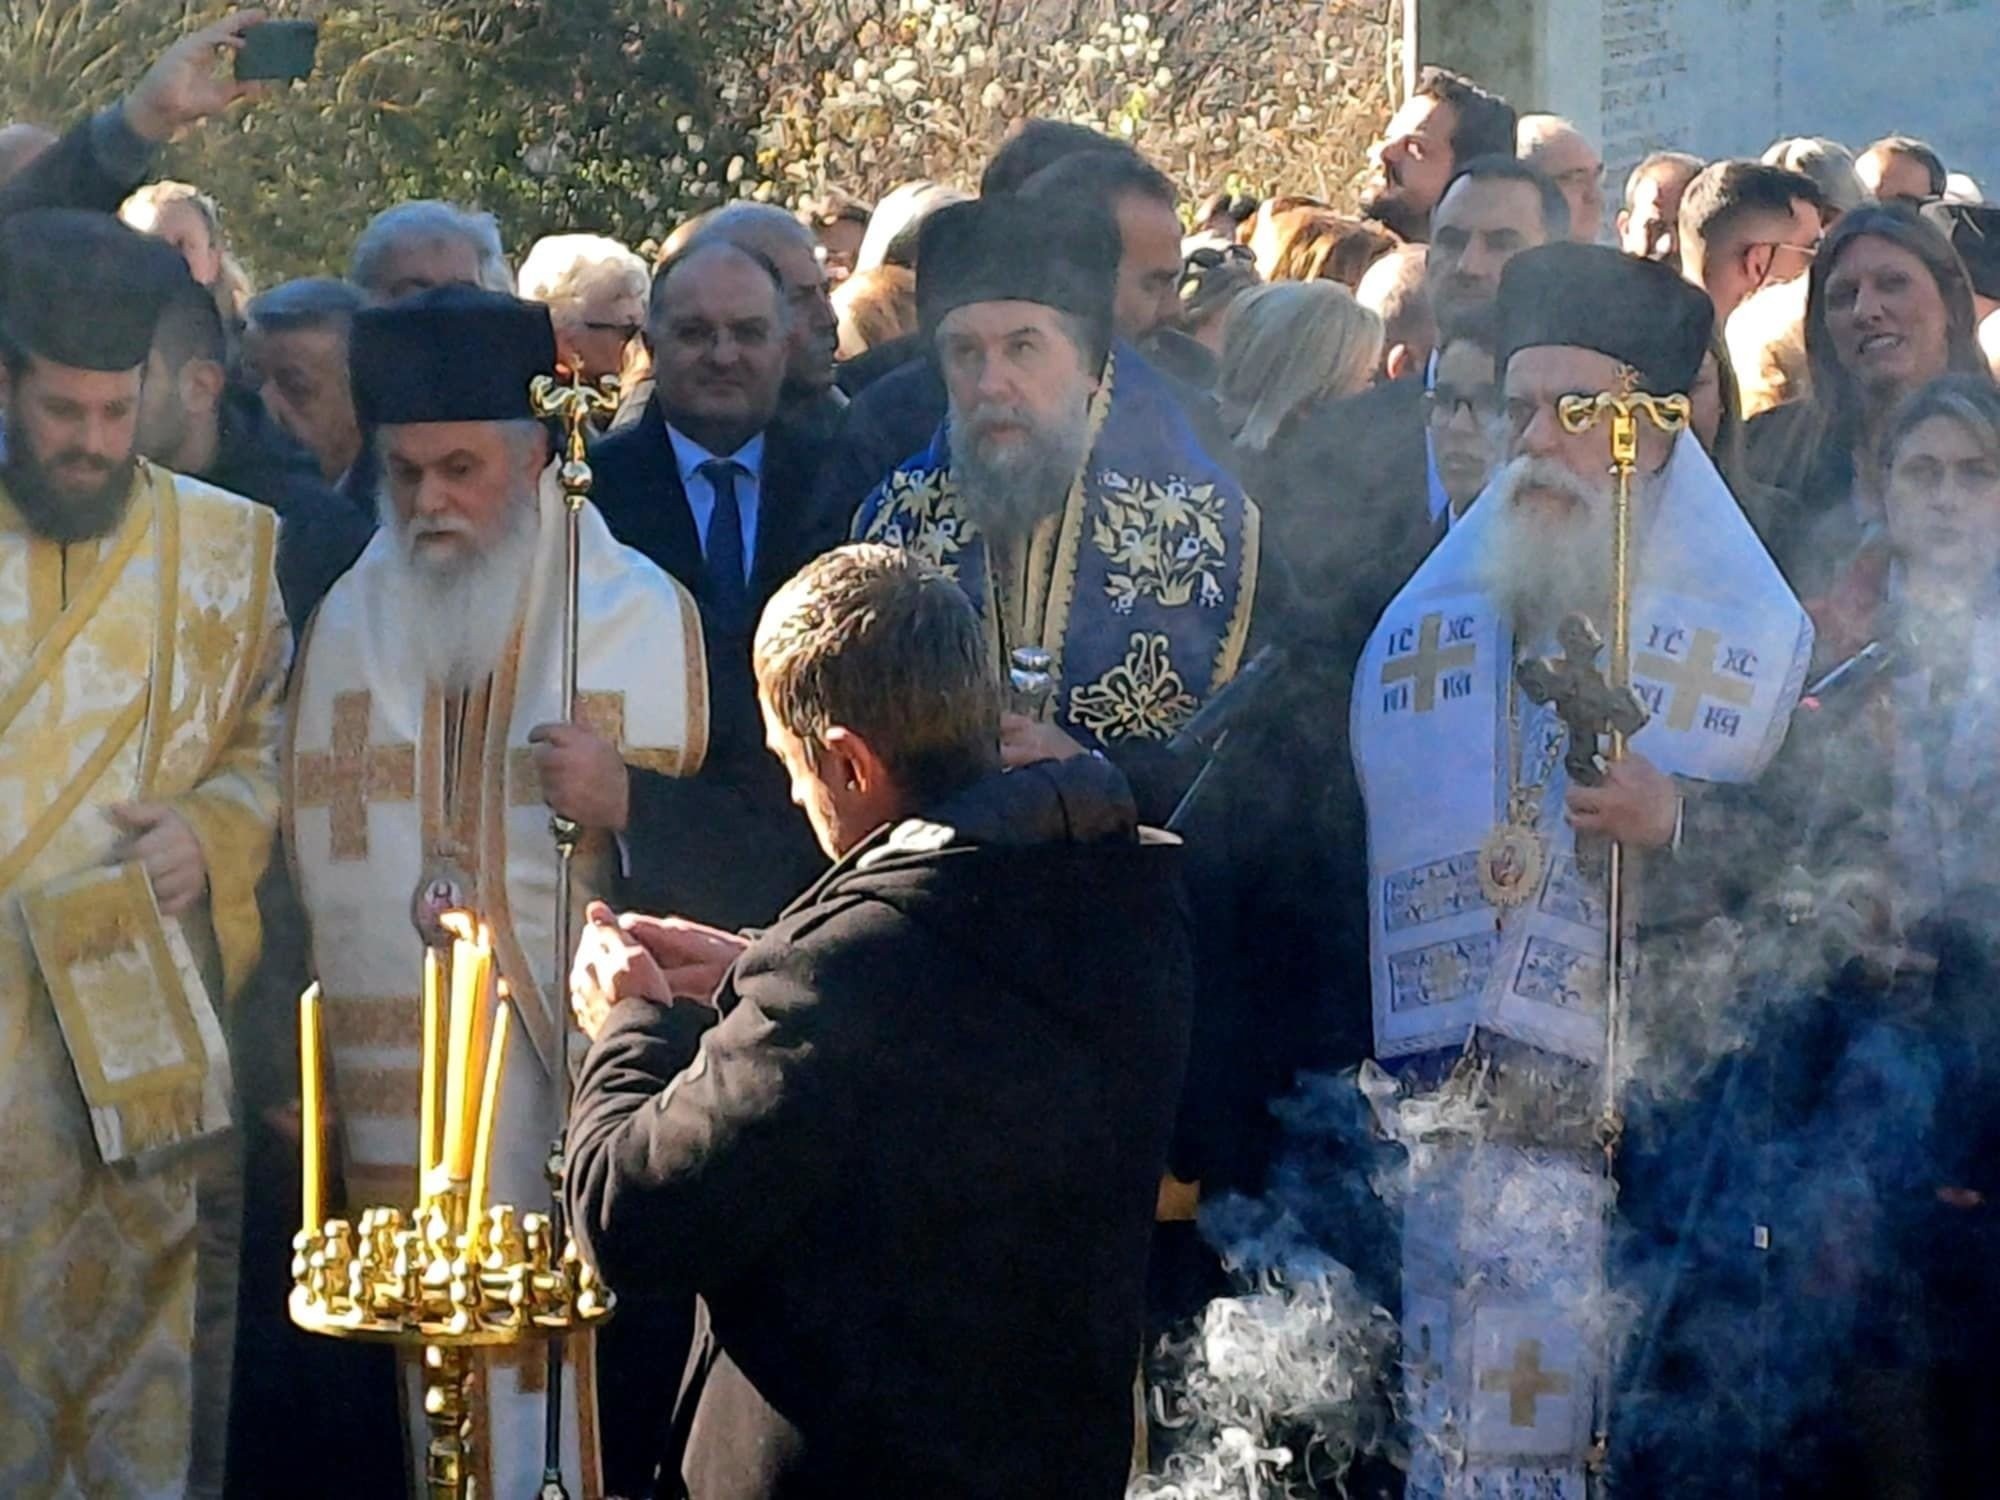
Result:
554,114
626,116
865,94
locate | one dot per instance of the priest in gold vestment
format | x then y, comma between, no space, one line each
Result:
142,656
427,754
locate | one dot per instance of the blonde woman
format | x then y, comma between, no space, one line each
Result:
1288,345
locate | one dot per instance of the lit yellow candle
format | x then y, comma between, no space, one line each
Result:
484,975
489,1112
312,1094
459,1064
431,1121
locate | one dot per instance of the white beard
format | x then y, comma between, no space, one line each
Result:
1543,562
458,614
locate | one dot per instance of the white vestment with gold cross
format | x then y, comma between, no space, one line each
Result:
381,775
1503,1241
147,666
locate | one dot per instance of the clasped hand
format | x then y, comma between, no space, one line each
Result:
626,956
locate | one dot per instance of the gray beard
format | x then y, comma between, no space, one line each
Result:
458,617
1539,568
1007,498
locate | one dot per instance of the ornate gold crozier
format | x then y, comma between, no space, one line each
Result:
1623,410
574,404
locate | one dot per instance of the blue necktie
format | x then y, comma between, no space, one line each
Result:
728,598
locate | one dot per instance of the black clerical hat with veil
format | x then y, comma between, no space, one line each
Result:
451,354
1008,249
81,289
1639,312
1974,232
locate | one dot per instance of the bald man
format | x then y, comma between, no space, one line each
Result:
1558,150
1394,290
809,403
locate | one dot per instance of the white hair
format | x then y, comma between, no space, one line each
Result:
563,270
893,225
429,219
1826,162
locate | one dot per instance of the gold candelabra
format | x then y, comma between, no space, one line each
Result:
453,1273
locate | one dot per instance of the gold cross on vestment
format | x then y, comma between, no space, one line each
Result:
1427,663
353,773
1693,678
1525,1384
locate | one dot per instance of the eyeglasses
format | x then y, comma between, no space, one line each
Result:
1581,177
1807,253
626,331
1208,257
1443,403
1205,258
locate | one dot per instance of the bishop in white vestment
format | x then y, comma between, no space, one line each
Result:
426,757
1488,937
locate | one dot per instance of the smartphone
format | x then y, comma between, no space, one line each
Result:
279,50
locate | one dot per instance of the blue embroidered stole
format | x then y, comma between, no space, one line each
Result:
1141,589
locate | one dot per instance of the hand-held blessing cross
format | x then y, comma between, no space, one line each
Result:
1589,707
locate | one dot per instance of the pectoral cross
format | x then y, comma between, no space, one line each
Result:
1589,706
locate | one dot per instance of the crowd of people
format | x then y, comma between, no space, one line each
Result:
1059,662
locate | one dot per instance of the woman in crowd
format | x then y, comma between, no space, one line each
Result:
1213,279
1462,407
875,307
1291,346
1767,346
1288,345
1316,244
1888,310
188,219
1902,834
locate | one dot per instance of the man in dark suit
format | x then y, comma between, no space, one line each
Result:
718,492
1368,504
904,1145
711,486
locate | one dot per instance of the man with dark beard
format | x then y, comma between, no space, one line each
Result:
1066,492
143,648
1446,122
